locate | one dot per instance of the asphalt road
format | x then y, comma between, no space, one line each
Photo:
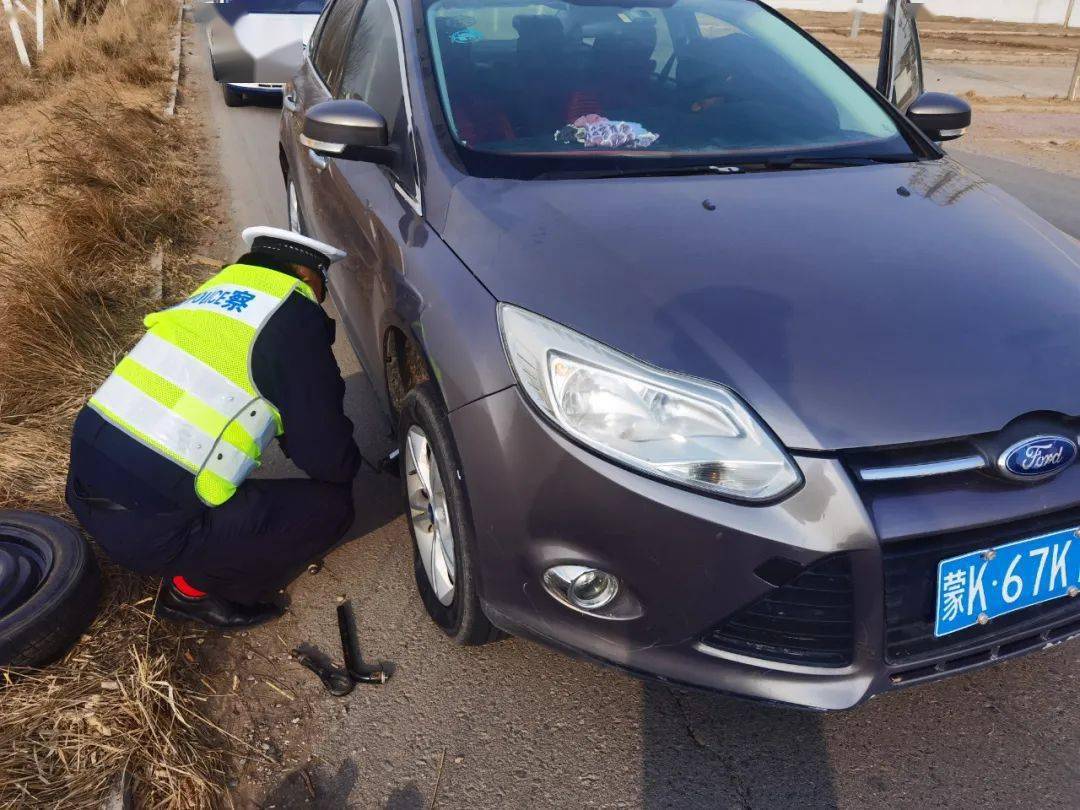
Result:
516,725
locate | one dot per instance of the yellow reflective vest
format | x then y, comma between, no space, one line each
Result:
186,389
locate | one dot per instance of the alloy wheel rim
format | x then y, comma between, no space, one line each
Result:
430,515
294,209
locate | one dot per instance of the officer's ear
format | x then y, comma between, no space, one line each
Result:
313,279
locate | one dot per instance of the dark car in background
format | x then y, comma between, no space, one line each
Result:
707,362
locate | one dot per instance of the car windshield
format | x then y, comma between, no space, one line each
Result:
672,78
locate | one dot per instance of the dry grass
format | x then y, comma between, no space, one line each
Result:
106,40
113,186
70,734
92,182
131,48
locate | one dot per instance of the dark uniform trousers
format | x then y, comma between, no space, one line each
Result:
142,508
245,550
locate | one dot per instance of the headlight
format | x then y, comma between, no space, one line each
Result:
677,428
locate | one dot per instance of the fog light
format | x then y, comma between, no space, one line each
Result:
593,590
582,588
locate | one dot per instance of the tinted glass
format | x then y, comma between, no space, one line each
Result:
685,77
372,72
330,39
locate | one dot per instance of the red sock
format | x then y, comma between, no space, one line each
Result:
185,588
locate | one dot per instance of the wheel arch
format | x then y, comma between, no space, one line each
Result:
405,366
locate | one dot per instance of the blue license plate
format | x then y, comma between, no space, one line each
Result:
975,588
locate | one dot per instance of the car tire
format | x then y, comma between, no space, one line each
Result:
50,588
232,96
462,617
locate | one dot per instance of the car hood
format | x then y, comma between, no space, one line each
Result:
850,307
259,47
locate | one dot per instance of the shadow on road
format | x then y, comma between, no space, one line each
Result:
703,750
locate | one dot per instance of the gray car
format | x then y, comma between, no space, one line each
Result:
706,361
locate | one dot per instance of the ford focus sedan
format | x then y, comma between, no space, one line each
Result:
706,361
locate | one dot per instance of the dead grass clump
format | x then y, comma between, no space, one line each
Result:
17,84
109,711
72,295
114,192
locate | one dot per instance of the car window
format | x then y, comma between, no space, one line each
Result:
372,72
328,41
316,33
678,78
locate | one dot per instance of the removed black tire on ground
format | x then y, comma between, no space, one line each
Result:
50,588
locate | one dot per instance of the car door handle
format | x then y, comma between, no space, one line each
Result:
317,160
288,101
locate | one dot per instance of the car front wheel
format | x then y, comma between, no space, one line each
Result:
440,520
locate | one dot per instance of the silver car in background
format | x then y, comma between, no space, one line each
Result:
257,45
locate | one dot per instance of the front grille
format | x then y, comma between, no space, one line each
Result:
808,621
911,592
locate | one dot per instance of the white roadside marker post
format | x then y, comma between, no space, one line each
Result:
39,20
1074,88
856,20
16,33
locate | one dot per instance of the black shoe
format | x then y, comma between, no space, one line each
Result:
213,610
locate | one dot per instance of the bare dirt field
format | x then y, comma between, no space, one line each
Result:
950,39
1036,132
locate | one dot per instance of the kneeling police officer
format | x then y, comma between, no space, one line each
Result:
161,454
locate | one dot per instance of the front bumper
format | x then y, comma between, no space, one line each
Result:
689,561
257,87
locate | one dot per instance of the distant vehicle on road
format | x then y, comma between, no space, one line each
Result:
706,361
257,45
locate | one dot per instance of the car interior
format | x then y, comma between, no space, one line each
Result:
513,81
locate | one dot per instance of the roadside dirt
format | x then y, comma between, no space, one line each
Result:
1036,132
950,39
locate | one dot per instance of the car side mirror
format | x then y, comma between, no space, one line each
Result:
940,116
349,129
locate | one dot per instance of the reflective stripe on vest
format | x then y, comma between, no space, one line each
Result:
186,389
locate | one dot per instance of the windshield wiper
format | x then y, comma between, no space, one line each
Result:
772,164
652,171
795,162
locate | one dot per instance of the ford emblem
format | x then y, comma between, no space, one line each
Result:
1039,457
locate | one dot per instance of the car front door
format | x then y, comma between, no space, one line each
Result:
369,210
319,73
900,71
